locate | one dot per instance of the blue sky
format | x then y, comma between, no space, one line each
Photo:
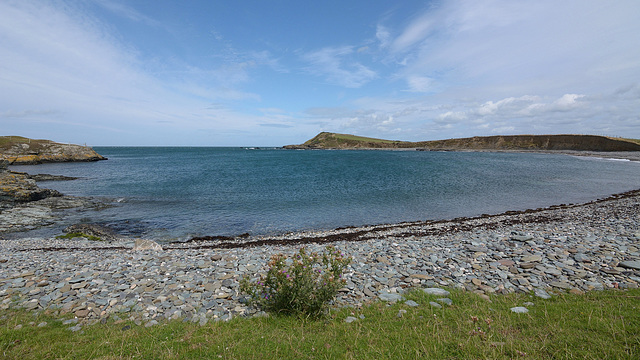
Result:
271,73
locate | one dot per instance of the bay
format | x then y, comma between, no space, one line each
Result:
179,192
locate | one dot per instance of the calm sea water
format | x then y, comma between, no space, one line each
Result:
176,193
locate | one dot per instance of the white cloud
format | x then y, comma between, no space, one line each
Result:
335,64
452,117
514,67
63,72
567,102
419,83
521,46
383,36
416,32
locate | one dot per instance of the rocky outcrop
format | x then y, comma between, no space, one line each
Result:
19,188
94,230
23,151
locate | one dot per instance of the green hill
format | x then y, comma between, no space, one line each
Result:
327,140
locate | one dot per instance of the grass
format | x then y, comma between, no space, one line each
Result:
592,326
636,141
7,141
362,138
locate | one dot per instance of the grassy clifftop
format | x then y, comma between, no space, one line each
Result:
326,140
18,150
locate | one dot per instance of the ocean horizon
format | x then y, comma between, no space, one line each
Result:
175,193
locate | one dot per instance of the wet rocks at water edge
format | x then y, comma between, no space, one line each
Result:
571,249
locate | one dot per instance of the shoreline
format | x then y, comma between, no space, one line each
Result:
614,155
575,248
19,218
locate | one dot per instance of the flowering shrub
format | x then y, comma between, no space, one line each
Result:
302,285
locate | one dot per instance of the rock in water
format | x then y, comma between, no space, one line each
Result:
17,187
101,232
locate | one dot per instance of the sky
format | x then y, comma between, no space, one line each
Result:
272,73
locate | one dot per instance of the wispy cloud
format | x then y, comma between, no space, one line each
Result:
338,67
511,66
64,60
127,12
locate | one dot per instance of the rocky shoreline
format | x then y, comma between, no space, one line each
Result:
25,206
19,150
574,248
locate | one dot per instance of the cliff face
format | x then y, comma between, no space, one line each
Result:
23,151
327,140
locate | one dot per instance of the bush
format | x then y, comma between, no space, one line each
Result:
302,285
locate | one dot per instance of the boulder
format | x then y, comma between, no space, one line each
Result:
144,244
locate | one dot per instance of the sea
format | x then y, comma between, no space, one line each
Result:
176,193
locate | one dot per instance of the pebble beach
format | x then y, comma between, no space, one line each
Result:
566,248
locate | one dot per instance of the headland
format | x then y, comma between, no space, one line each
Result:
536,143
18,150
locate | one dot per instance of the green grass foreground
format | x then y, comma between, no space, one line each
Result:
597,325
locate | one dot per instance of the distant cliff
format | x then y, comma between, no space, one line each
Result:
326,140
19,150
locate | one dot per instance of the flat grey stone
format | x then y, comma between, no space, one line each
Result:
411,303
553,271
542,294
350,319
390,297
445,301
435,305
76,328
630,264
560,284
581,258
436,291
519,310
522,238
532,258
